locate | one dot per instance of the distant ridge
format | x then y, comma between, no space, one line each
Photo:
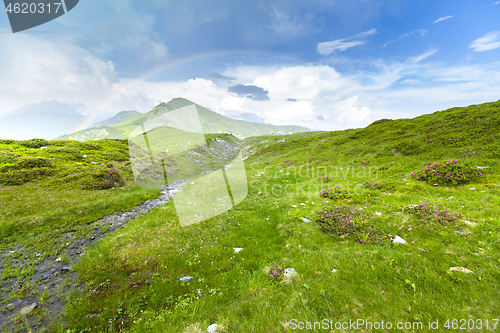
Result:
211,122
118,118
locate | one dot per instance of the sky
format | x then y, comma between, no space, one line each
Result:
325,65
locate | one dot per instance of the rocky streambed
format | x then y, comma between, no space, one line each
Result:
53,278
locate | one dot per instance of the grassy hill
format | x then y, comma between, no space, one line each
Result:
118,118
433,180
211,122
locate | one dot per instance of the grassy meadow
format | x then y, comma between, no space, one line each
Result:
327,204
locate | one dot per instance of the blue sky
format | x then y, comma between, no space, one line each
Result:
322,64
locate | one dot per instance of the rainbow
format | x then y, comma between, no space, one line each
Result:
180,62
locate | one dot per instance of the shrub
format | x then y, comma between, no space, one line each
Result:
410,147
34,143
7,155
325,179
336,192
449,172
431,214
72,152
20,177
28,163
7,142
103,179
381,184
346,222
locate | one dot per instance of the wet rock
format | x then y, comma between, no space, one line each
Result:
64,269
27,309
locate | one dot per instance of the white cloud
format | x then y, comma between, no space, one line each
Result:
498,2
442,19
349,111
421,57
412,81
326,48
421,32
488,42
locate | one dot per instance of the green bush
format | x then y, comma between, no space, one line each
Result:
34,143
7,142
103,179
28,163
20,177
346,222
381,184
72,152
336,192
410,147
7,155
449,172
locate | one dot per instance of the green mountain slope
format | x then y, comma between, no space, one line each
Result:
211,122
118,118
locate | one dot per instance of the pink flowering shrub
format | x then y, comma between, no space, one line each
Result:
336,192
430,214
276,273
104,179
449,172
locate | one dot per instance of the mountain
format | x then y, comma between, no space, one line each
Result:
211,122
118,118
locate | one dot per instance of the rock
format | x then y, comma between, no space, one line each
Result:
302,204
27,309
398,240
472,188
482,167
306,220
334,270
378,213
93,162
470,223
460,232
294,206
212,328
185,278
407,183
10,306
289,273
84,156
44,147
64,269
436,184
237,249
452,197
461,269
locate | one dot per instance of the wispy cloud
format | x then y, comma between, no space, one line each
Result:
498,2
327,48
421,57
421,32
488,42
443,18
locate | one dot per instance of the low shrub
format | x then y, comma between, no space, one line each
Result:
336,192
8,156
103,179
325,179
381,184
23,176
449,172
7,142
34,143
346,222
432,215
66,151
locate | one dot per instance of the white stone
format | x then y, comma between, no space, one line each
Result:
452,197
482,167
461,269
185,278
472,188
334,270
302,204
398,240
289,273
306,220
212,328
378,213
237,249
27,309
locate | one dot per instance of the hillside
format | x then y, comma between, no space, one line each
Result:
331,205
211,122
118,118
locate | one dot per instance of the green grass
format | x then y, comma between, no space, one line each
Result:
132,275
